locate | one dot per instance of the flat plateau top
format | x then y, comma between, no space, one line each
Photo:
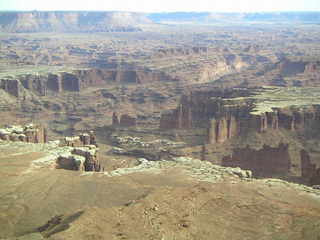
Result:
268,98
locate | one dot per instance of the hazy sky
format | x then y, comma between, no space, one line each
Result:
164,5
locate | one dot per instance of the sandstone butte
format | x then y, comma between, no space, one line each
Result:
120,125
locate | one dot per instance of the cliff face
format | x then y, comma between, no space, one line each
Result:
198,108
288,72
76,80
268,161
70,21
228,120
235,124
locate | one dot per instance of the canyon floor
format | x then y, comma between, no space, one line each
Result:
159,129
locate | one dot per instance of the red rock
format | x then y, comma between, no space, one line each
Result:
267,161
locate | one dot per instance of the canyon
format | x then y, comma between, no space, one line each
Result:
271,144
120,125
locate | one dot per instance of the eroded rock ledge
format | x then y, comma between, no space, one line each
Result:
77,80
242,129
81,153
29,133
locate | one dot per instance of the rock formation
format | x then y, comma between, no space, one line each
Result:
76,80
80,159
226,118
267,161
230,116
29,133
81,140
81,153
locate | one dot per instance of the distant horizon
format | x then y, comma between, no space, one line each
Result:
163,6
293,11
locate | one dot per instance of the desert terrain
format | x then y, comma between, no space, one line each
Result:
121,125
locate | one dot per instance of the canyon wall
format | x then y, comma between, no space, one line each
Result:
227,113
75,81
230,122
265,162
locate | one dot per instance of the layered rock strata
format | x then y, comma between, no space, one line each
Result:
226,116
81,140
81,154
29,133
80,159
76,80
229,116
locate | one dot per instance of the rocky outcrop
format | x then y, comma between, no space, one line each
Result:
160,149
198,108
80,159
227,113
194,110
230,118
180,118
89,152
83,139
222,129
71,162
81,153
29,133
71,21
286,72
